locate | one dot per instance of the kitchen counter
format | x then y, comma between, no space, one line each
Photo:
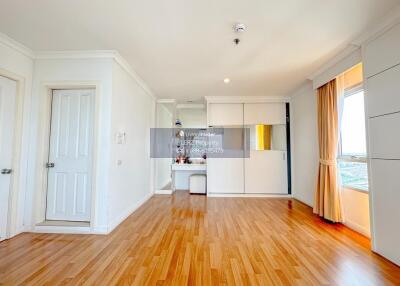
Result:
189,167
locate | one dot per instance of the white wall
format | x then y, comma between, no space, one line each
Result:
163,165
304,143
192,117
69,71
133,112
15,62
122,104
356,210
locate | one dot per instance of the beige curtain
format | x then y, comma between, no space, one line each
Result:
327,194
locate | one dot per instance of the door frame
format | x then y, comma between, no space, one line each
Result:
43,147
15,202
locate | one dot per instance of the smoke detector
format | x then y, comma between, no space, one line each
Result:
239,27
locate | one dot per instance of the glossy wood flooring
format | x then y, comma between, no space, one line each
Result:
195,240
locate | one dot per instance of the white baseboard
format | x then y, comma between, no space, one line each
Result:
303,201
62,229
115,222
358,228
282,196
88,229
100,230
163,192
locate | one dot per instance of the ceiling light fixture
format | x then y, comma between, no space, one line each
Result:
239,27
227,80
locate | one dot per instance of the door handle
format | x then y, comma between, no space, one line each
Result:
49,165
6,171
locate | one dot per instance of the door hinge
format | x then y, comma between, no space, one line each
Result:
49,165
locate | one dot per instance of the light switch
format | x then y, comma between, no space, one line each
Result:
120,138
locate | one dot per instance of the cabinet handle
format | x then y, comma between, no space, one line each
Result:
6,171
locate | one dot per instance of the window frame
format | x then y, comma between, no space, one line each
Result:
346,158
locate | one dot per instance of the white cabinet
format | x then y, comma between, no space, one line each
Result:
266,172
385,208
383,52
225,175
264,113
225,114
383,92
381,60
385,136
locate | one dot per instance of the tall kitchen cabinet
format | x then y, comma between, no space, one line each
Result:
263,172
382,77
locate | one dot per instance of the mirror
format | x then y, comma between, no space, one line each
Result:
268,137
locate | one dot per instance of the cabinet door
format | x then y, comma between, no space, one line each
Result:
264,113
383,92
385,136
225,114
225,175
266,173
383,52
385,207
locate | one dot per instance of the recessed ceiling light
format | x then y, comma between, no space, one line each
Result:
227,80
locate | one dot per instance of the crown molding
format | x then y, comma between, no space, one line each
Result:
128,68
7,41
379,27
190,106
246,99
334,61
369,34
88,54
303,88
97,54
166,100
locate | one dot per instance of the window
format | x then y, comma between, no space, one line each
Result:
353,150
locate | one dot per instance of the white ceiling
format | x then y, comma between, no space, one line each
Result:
183,48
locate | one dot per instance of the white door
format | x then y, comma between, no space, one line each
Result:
266,172
8,93
70,157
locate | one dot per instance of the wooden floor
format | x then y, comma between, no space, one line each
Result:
183,239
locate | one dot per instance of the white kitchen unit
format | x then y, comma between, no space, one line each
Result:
382,77
264,172
225,114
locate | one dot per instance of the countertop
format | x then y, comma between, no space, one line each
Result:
188,167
